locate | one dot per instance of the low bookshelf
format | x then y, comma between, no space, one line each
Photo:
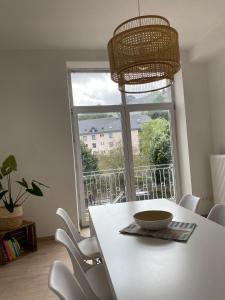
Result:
25,235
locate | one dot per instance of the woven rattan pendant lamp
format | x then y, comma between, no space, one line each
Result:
144,54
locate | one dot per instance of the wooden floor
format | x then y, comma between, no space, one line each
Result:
27,277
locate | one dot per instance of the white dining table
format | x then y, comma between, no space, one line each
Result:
145,268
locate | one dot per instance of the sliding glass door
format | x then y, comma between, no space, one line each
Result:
124,144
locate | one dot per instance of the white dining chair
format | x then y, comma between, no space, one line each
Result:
92,278
217,214
62,282
190,202
88,247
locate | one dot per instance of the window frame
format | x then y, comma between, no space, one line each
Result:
124,109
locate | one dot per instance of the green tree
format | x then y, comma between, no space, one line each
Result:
158,114
111,160
155,141
89,159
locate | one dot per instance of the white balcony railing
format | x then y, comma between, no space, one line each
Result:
108,186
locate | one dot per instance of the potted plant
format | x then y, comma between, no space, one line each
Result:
11,211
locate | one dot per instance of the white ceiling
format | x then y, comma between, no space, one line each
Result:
88,24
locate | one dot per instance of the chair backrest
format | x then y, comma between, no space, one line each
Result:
79,265
190,202
71,228
62,282
217,214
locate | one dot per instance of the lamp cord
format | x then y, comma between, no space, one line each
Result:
139,10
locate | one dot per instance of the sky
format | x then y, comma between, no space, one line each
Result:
94,89
97,88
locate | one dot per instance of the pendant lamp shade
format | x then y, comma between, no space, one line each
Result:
144,54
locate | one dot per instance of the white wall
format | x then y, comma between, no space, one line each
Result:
35,127
216,75
198,125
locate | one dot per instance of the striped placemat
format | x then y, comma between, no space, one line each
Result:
176,231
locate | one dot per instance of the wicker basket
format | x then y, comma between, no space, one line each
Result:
144,54
9,221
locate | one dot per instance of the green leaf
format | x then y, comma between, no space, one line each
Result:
9,165
38,182
23,183
35,190
9,206
2,194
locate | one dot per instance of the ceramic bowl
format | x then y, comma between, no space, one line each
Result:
153,219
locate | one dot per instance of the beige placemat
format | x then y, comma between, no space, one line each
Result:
176,231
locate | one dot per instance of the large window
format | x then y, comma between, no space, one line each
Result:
134,142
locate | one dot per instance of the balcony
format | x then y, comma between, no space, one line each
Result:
108,186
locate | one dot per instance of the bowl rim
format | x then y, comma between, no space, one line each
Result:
153,210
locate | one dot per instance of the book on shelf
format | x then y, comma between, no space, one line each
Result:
7,250
10,249
15,247
13,253
17,244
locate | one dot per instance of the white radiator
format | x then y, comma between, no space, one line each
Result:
217,163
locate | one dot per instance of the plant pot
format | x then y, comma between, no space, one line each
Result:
10,221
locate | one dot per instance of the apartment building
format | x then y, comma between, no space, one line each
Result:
105,134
